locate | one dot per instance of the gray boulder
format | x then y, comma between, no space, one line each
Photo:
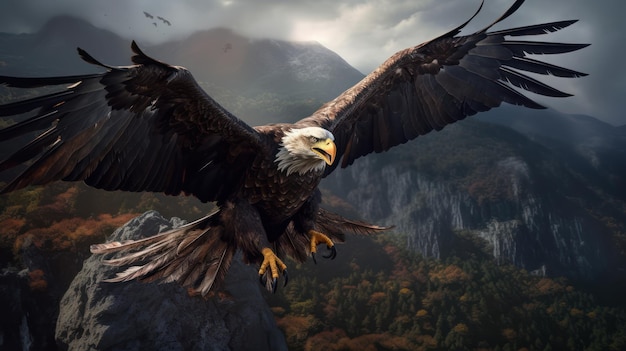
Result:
95,315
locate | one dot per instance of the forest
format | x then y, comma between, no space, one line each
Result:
377,295
465,302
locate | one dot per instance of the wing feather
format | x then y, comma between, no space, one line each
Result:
436,83
145,127
536,66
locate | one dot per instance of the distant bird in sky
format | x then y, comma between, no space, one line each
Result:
164,20
150,127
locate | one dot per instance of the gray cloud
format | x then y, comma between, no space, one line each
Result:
366,32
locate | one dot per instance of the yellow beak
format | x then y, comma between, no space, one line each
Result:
326,149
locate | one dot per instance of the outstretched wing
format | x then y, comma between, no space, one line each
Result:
437,83
146,127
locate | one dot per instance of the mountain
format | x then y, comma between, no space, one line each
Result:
228,60
491,183
52,50
594,148
540,189
226,64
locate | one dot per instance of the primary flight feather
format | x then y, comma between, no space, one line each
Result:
150,127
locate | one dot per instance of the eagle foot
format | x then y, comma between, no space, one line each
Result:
320,238
275,265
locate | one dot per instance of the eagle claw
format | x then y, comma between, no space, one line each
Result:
274,284
320,238
332,254
275,265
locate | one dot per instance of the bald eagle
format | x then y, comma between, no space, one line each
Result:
150,127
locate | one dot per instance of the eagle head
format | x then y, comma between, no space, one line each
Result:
304,150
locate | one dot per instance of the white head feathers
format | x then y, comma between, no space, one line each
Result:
297,153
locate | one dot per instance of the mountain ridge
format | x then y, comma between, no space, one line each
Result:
271,72
219,57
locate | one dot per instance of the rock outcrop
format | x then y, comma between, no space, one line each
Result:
150,316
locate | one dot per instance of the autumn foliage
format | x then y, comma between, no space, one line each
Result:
37,280
71,216
413,303
375,296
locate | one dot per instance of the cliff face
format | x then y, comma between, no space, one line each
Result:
488,182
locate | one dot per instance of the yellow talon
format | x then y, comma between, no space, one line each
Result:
270,259
320,238
274,263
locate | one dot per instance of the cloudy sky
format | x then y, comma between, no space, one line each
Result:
366,32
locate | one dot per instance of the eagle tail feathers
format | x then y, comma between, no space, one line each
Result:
293,244
297,245
336,226
193,255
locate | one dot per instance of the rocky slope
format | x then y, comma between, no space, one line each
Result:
491,183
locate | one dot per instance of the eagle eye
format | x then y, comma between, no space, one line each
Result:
314,140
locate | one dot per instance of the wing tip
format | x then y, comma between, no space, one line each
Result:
505,15
457,30
140,57
90,59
